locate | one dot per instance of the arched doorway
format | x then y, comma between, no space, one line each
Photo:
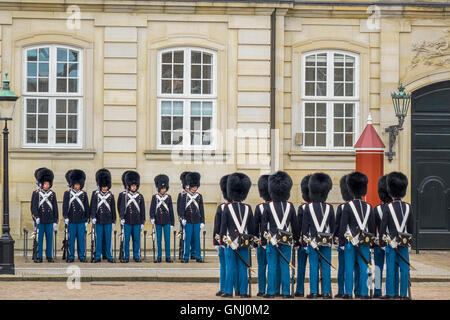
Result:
430,165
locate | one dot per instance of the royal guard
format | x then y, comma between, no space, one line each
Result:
217,241
302,255
103,214
237,230
281,231
192,214
44,211
396,231
131,207
317,229
180,210
346,196
263,189
76,213
357,228
162,216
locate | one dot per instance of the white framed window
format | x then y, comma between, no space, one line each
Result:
52,97
187,98
330,100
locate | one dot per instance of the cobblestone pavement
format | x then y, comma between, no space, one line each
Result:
35,290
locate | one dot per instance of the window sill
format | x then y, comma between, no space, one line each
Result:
186,155
52,154
324,156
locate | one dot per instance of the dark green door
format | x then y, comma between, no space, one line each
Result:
430,164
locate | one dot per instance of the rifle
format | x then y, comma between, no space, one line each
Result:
65,242
35,236
204,244
181,244
174,244
153,241
249,272
115,236
293,270
55,249
145,245
93,242
25,244
121,249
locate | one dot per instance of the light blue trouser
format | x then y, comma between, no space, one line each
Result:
302,257
103,233
341,271
192,232
274,259
350,256
356,283
159,232
236,269
133,230
223,268
391,259
77,231
47,229
262,267
314,270
378,254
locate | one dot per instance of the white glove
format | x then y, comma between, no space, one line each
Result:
55,226
342,248
234,244
122,221
66,221
355,241
273,241
94,221
142,226
313,244
183,222
393,244
38,220
152,221
113,225
217,247
85,224
202,225
264,247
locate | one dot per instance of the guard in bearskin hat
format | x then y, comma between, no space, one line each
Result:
317,228
217,241
76,213
357,229
236,230
162,216
346,196
44,211
103,214
396,231
281,232
182,233
131,207
302,256
192,215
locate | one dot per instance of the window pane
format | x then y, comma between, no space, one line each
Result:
166,108
165,138
72,136
338,110
177,123
61,85
61,70
43,106
166,86
195,86
195,108
311,60
338,125
31,84
309,139
43,69
73,55
338,60
43,85
310,74
348,74
338,140
166,71
73,106
349,61
167,57
207,109
166,123
31,136
42,136
196,57
322,60
178,57
178,71
207,58
177,137
31,121
60,136
321,110
196,123
206,72
206,87
349,89
349,109
196,71
72,122
178,108
310,124
321,74
310,89
195,138
321,124
31,105
32,55
73,85
322,89
61,54
61,122
349,140
310,109
348,125
177,86
206,123
73,69
43,54
321,140
338,89
31,69
338,74
206,140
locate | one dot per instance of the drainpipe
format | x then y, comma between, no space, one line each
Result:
272,90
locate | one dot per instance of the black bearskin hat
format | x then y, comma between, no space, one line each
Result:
238,186
162,181
44,175
103,178
192,179
123,178
67,176
357,184
130,178
263,187
183,178
319,186
223,187
280,184
397,183
345,193
382,190
76,176
305,188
